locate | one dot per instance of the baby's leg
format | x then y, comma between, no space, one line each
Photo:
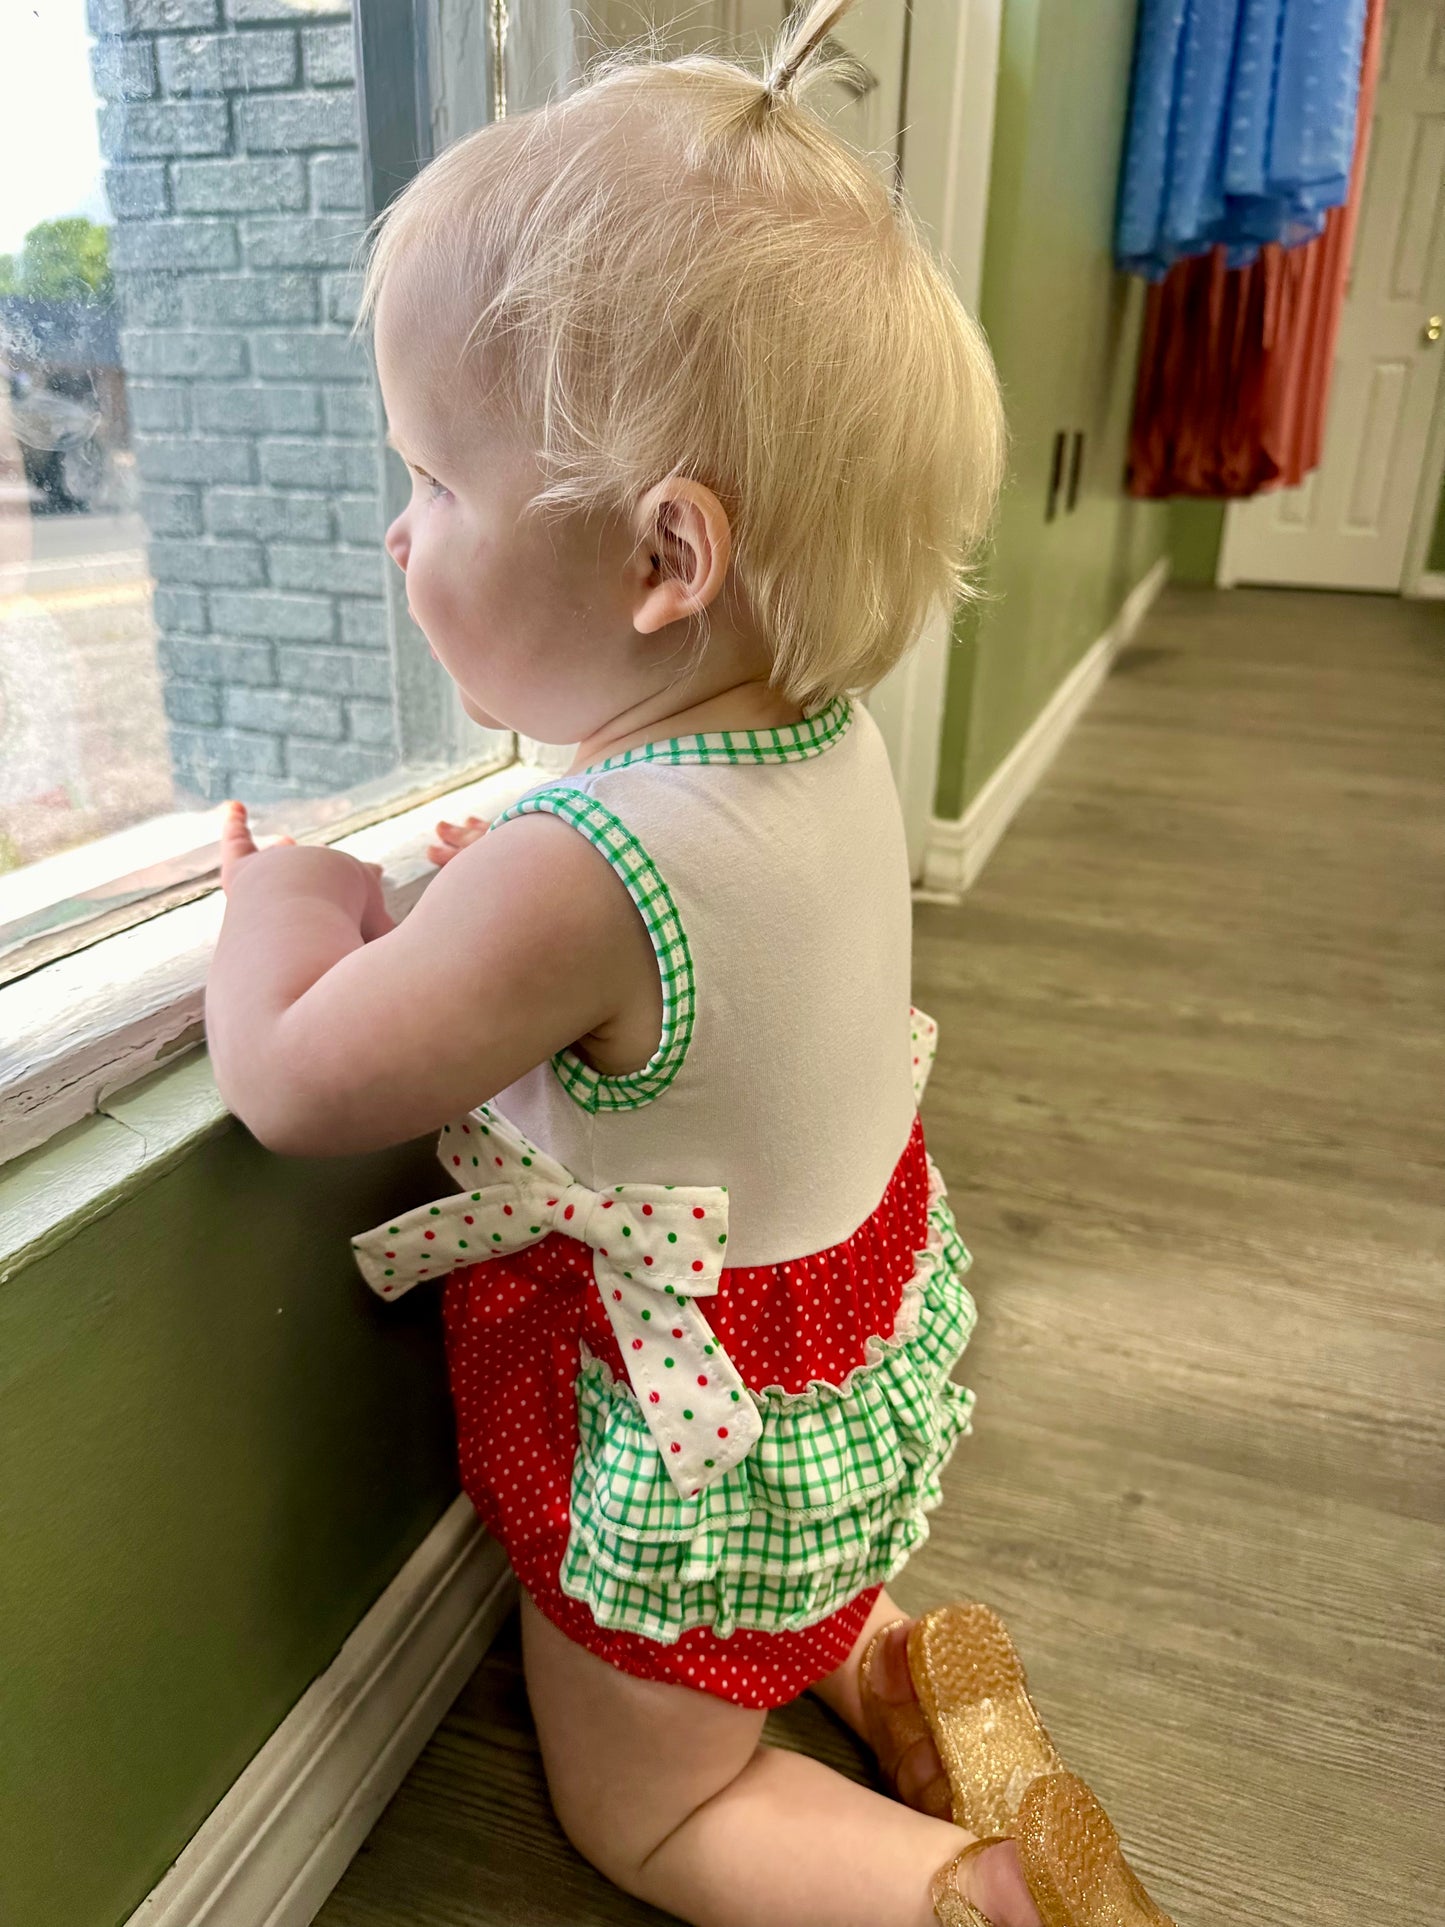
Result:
669,1793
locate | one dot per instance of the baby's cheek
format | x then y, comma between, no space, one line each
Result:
441,617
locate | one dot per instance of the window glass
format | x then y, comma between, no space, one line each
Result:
194,598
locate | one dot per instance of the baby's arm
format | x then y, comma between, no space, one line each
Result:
325,1044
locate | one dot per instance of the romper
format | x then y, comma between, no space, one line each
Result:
700,1317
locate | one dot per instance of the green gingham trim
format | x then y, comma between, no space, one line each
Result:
832,1498
787,743
595,1090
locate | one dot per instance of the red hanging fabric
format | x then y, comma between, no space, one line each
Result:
1235,363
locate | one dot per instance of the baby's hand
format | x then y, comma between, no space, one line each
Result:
237,843
239,850
454,837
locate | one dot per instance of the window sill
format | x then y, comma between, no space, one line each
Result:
78,1031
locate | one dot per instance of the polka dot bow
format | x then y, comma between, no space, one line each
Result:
924,1048
656,1247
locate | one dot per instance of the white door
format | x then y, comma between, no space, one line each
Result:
875,33
867,113
1348,525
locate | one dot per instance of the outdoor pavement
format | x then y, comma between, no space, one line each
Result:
83,743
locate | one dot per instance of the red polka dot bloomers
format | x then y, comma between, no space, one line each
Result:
711,1498
704,1466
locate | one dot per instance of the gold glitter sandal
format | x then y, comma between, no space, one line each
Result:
1071,1863
893,1727
974,1699
948,1903
1006,1777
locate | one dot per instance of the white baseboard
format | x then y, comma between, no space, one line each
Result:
279,1841
959,847
1428,586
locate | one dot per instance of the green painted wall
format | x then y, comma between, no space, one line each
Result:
1064,331
1436,556
1196,529
217,1448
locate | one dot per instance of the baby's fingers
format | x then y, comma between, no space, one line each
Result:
236,843
236,838
466,832
454,837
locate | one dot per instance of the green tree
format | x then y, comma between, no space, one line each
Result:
61,260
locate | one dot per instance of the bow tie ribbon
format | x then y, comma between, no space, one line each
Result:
656,1248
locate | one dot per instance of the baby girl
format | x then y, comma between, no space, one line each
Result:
700,435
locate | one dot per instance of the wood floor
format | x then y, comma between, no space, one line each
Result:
1188,1103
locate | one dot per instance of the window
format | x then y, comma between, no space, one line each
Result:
194,598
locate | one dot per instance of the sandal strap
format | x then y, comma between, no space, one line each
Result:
892,1727
949,1904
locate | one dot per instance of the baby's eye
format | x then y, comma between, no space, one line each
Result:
432,483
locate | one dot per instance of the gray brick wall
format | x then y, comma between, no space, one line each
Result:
230,133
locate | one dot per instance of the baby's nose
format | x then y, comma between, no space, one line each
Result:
397,546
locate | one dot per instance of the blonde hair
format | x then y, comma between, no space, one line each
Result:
678,269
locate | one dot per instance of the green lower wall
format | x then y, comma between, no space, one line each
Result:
1064,331
1196,529
217,1448
1435,559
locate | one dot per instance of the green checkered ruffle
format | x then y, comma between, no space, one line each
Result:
832,1498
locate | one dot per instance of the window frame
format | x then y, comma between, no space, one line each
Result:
78,1029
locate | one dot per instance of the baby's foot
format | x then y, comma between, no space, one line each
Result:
991,1880
901,1739
455,837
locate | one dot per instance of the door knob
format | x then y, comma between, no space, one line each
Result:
1434,326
